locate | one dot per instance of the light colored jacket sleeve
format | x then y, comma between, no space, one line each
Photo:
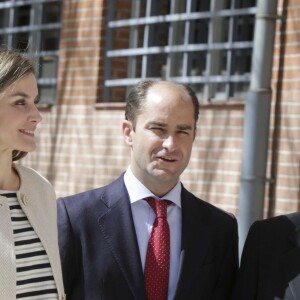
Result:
38,201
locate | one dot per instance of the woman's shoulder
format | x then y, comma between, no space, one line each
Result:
29,174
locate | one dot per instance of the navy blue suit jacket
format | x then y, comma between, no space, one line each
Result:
100,254
270,265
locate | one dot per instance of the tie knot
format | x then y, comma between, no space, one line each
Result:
159,206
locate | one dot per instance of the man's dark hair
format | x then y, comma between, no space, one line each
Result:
137,96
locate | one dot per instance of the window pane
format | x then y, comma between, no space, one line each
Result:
50,40
199,90
241,61
24,23
178,29
119,67
52,12
21,41
197,63
124,9
240,88
176,67
135,63
3,40
220,91
244,3
244,28
207,47
199,31
47,93
22,15
4,17
48,67
117,94
203,5
121,38
161,7
157,65
159,34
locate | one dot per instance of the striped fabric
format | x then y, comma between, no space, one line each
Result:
34,274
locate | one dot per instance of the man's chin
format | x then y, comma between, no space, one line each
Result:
164,174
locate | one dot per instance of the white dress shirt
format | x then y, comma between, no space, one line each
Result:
143,217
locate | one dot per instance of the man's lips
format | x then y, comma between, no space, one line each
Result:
167,159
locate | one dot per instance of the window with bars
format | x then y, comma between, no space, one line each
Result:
33,26
204,43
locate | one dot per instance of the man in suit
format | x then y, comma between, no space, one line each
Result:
104,233
270,265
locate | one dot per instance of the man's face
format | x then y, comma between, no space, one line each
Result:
162,141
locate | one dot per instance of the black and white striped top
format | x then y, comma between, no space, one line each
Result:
34,273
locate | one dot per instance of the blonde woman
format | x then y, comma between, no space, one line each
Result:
29,256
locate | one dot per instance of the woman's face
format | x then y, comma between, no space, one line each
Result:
19,115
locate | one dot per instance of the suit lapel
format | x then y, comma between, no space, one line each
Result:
118,230
291,259
196,239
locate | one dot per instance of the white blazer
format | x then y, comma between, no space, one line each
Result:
38,201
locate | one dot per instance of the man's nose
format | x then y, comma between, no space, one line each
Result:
169,142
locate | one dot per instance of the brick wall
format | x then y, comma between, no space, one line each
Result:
81,147
284,153
81,49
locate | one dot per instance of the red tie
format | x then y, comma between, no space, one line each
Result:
158,254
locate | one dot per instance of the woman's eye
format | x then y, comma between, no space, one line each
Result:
20,102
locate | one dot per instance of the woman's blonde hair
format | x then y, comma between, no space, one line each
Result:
13,66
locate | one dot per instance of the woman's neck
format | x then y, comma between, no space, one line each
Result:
9,178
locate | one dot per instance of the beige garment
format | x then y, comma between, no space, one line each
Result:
38,201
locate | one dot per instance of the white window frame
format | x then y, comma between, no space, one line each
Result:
215,48
34,30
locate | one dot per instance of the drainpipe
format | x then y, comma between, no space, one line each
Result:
256,120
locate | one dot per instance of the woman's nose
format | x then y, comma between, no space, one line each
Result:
35,115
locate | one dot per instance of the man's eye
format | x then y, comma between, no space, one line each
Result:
157,128
183,132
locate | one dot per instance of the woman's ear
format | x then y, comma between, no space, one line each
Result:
127,132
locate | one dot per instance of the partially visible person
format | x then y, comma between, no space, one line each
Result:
29,257
270,264
144,236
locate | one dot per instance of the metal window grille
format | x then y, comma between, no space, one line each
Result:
33,26
204,43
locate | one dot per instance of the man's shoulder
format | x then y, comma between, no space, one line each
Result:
206,208
275,233
91,195
278,224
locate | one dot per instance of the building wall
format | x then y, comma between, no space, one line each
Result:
80,144
80,147
284,152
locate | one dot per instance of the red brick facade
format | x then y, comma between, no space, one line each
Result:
80,145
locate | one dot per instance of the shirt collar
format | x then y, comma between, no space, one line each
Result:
138,191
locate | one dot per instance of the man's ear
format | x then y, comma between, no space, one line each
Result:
127,128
